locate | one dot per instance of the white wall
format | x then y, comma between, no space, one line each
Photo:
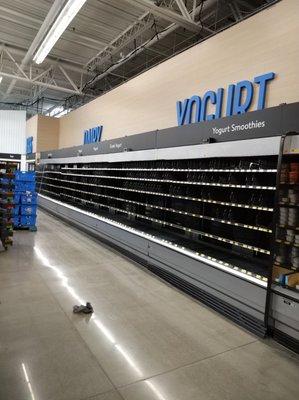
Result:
12,132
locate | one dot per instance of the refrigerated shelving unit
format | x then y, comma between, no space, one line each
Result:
11,157
195,209
284,310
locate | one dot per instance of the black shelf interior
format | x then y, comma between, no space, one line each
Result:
222,206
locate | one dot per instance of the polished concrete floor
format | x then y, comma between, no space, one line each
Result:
145,341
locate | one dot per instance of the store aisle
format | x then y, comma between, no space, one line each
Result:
145,341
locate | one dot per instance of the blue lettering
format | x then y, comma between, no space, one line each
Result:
93,135
243,87
194,100
219,100
229,102
29,145
85,136
100,133
181,109
238,101
262,81
210,95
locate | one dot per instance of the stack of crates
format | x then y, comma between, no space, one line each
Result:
25,200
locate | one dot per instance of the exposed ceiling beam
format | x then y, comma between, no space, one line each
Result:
38,78
166,14
235,10
69,79
39,83
193,9
49,74
67,65
117,75
77,39
35,23
134,30
183,9
52,14
171,28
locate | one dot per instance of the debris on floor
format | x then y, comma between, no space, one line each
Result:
88,309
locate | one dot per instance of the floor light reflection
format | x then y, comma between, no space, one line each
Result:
28,381
155,390
95,319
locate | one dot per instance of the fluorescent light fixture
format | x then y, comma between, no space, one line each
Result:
55,111
1,77
62,113
58,112
63,20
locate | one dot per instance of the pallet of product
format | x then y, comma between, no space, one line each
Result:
25,200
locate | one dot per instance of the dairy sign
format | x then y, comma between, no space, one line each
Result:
239,98
93,135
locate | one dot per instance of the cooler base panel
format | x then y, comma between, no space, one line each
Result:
285,317
285,340
238,316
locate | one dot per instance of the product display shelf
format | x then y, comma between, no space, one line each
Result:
286,261
200,216
222,204
7,182
284,308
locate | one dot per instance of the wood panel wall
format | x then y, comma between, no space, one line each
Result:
45,132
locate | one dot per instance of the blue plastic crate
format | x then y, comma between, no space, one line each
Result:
30,198
17,198
16,221
18,187
16,210
22,186
28,220
25,176
28,210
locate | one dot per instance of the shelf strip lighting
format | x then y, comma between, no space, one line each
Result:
183,228
172,169
226,267
222,221
223,203
228,185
